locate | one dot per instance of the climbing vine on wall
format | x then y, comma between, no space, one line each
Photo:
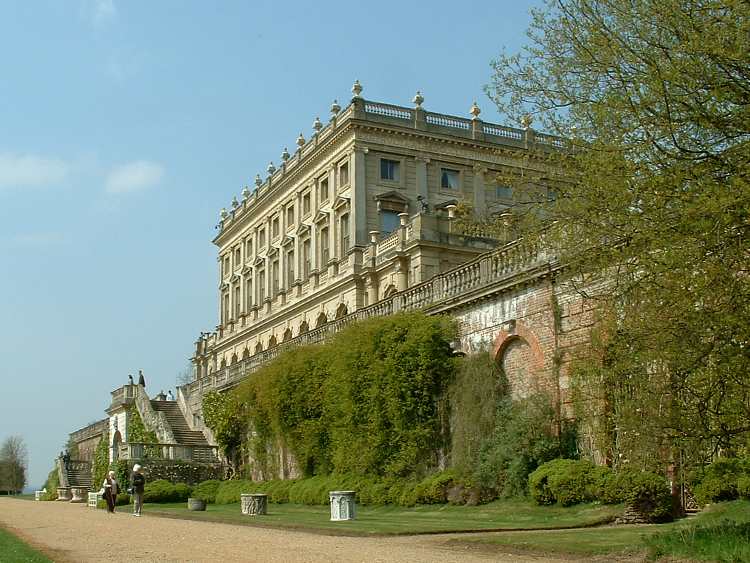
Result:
137,430
371,401
100,462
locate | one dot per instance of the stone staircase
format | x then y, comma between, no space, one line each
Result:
182,433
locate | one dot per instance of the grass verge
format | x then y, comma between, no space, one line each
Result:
719,533
393,520
13,550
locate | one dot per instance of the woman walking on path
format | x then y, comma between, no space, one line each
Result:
111,489
137,484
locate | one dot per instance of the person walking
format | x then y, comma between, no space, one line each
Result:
111,488
137,486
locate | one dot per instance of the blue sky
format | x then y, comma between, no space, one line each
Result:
126,126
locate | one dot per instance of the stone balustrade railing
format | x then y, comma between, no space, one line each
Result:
169,452
496,268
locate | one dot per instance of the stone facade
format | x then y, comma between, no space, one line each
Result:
361,211
88,437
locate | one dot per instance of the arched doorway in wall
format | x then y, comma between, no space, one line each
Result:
521,360
116,441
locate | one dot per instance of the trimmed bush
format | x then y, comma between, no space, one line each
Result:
646,492
206,491
229,491
162,490
434,489
561,480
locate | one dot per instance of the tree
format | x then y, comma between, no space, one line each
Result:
13,464
652,203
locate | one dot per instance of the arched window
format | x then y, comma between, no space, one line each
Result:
272,342
287,335
341,311
303,328
258,348
321,320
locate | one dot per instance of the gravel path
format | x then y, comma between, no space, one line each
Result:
71,533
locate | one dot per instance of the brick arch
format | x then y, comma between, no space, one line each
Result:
520,355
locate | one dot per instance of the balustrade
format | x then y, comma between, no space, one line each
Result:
171,452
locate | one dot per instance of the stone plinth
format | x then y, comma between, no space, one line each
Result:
63,493
254,504
79,494
343,506
196,504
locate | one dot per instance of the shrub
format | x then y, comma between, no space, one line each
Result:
719,481
600,487
743,487
206,491
162,490
229,491
561,480
51,484
649,495
434,489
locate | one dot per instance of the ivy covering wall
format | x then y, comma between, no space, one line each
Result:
137,430
372,401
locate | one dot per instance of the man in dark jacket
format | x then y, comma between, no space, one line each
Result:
137,485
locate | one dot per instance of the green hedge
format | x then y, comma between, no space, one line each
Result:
207,490
163,491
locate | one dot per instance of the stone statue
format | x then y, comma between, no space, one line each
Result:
141,379
130,379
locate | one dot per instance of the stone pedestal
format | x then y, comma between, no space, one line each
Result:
343,506
254,504
63,493
79,494
196,504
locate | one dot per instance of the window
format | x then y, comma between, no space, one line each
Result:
503,192
224,307
289,268
237,302
306,204
248,294
389,221
262,238
237,257
275,277
248,249
225,266
324,249
306,258
289,216
389,169
344,174
324,190
344,229
275,227
449,179
261,286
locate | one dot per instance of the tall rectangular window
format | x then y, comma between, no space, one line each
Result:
306,264
389,169
262,238
306,204
389,221
225,266
449,179
248,249
237,257
275,277
344,174
248,294
324,249
289,216
261,286
237,302
224,307
289,268
324,190
344,229
275,227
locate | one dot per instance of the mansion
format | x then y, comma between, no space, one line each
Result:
364,208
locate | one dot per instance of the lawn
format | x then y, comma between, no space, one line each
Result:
13,550
672,539
393,520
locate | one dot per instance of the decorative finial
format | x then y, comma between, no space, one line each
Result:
258,180
223,213
271,169
418,99
475,111
356,89
335,107
235,203
285,155
300,140
245,193
526,121
317,124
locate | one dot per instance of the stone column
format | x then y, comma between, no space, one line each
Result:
421,176
402,273
480,196
358,212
